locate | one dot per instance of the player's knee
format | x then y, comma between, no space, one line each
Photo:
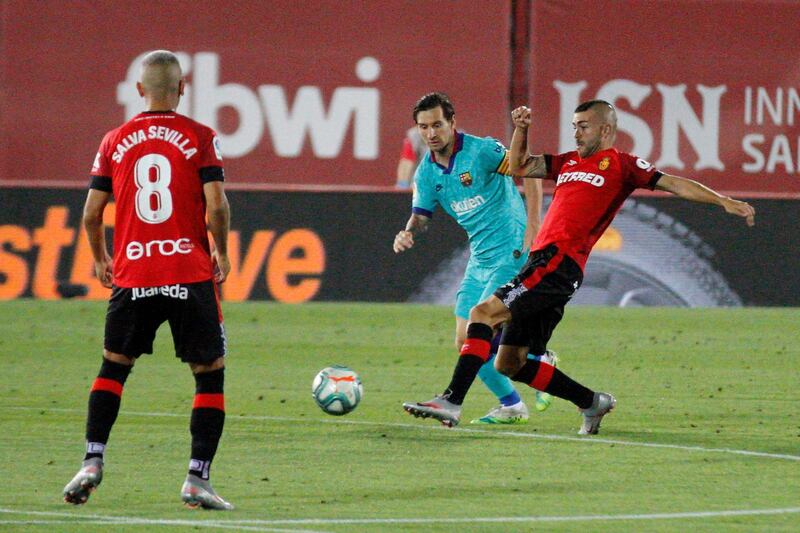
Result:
505,366
119,358
479,313
199,368
508,361
489,312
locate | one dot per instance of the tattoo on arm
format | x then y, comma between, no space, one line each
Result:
535,166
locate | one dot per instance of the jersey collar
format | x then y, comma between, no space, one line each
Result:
456,148
607,151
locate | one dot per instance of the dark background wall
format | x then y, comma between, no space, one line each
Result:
337,246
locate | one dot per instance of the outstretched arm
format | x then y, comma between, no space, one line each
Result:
697,192
522,163
405,238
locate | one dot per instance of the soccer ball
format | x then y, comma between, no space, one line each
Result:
337,390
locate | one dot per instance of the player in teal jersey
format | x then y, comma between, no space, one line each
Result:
468,178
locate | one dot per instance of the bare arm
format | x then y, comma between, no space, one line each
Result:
218,212
533,204
405,171
93,209
405,238
697,192
522,163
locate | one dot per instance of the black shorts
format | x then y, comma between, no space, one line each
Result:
536,298
193,313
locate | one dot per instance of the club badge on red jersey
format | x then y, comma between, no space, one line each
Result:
604,163
466,179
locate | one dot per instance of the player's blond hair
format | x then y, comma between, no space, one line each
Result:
161,73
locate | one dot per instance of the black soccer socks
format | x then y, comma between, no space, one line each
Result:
104,401
474,353
549,379
208,418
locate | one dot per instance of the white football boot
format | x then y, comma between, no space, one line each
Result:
602,404
449,414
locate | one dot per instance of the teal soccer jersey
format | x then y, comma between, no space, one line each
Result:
477,192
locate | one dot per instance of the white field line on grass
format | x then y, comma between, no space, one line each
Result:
262,525
516,434
79,518
154,522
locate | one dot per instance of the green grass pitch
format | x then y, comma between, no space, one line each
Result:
705,436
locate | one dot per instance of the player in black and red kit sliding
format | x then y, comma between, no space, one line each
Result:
165,172
591,183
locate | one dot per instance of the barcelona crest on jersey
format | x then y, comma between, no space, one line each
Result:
466,179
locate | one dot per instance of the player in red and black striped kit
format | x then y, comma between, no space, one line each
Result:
591,183
165,172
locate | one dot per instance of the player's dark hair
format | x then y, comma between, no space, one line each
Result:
586,106
432,101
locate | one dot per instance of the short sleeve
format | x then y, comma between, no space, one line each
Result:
101,183
208,174
408,151
553,163
493,156
102,164
639,172
424,199
210,151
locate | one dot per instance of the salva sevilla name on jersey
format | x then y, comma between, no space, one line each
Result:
174,137
588,177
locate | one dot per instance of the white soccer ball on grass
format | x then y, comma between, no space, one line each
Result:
337,390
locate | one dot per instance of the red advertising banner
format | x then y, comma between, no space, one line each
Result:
318,94
302,93
703,89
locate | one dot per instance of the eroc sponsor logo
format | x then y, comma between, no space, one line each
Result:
136,250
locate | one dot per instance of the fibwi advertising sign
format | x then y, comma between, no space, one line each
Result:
295,104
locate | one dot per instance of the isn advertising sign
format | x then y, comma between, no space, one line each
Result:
702,89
